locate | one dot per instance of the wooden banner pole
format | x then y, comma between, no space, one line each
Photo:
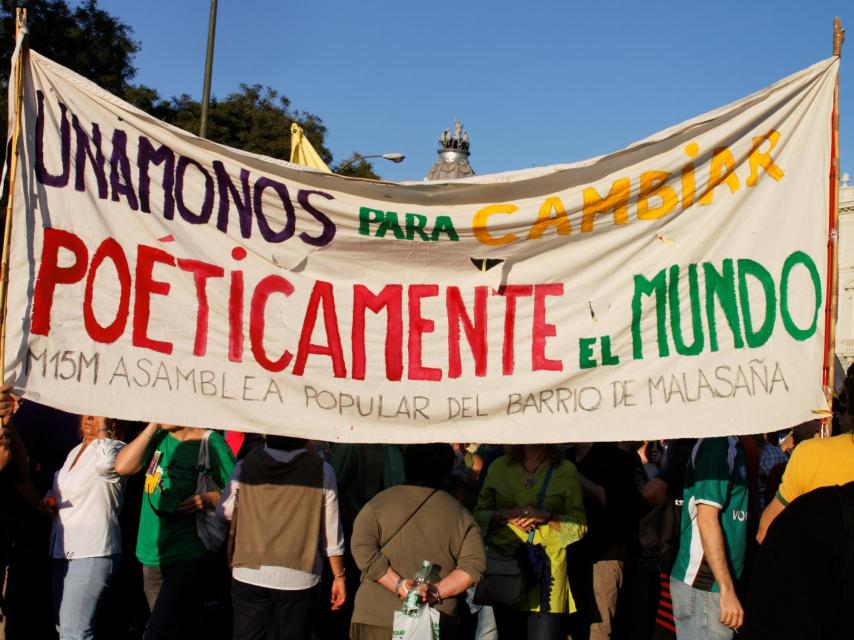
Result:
20,23
828,373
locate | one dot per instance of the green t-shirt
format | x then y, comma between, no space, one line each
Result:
716,475
171,473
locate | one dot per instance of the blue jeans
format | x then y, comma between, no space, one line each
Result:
697,613
486,629
77,589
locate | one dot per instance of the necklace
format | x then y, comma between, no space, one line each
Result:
528,482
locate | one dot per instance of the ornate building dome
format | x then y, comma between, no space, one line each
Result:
454,154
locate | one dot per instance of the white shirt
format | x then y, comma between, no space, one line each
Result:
331,541
88,499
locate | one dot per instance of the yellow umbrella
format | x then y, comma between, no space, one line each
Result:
303,153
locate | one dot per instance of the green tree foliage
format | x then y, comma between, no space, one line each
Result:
254,118
95,44
86,39
356,167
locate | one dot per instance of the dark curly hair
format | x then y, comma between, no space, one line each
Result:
428,465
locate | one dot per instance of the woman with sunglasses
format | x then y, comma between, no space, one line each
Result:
86,542
176,566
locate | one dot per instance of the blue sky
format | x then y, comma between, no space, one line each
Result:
534,83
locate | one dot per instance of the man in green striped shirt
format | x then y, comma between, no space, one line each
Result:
713,542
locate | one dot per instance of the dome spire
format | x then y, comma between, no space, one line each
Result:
454,151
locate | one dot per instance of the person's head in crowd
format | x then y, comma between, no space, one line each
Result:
843,406
319,448
781,439
285,443
127,430
758,440
428,465
776,437
806,431
843,422
846,423
554,453
93,427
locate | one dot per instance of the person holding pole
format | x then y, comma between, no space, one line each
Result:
8,403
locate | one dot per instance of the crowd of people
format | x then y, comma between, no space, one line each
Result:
120,530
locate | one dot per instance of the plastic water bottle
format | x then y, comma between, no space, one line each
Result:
414,601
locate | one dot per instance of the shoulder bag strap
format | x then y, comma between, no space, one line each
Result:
204,452
204,463
542,496
409,517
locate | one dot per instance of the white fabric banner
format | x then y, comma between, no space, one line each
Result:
674,288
